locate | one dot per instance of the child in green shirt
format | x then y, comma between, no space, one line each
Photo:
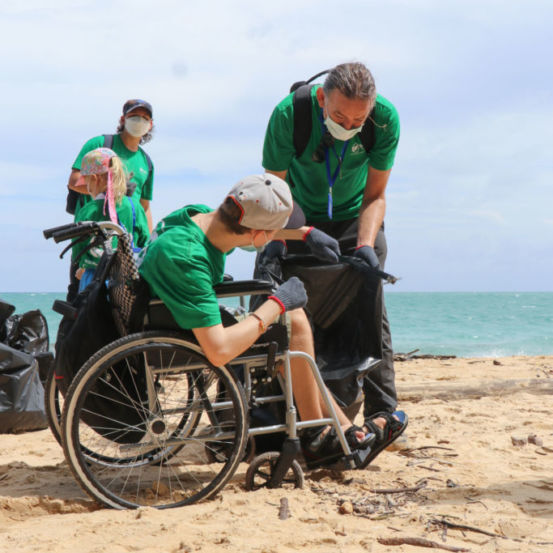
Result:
103,175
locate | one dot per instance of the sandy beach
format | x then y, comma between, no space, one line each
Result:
474,473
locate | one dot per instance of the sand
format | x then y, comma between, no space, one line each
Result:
460,458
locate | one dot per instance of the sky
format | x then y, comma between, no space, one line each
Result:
470,197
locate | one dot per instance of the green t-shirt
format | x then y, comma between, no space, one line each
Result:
94,211
308,179
181,266
135,164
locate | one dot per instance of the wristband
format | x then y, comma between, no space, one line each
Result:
280,304
307,232
262,323
361,246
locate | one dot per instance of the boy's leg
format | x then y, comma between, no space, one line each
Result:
309,400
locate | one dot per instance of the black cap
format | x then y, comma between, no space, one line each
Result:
130,105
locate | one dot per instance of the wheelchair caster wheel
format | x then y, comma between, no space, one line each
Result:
261,470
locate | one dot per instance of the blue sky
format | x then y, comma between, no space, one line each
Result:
470,200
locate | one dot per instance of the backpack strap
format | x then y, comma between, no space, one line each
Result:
108,141
148,159
302,118
367,132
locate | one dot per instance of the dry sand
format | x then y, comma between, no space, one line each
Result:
459,453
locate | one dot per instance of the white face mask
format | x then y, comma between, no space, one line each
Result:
137,126
253,248
338,132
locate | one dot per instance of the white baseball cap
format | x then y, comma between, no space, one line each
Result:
266,203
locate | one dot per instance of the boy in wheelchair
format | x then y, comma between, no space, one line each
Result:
185,258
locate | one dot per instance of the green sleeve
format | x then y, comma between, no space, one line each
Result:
92,144
383,153
278,147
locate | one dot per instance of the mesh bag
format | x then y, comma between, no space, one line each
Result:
125,288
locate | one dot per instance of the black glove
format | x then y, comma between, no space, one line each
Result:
322,246
290,294
368,255
276,249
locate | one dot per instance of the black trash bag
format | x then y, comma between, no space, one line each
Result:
81,336
344,307
21,392
27,332
6,310
345,311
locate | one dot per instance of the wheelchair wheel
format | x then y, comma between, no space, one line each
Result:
138,416
261,470
53,405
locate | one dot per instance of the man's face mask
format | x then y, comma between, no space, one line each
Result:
137,126
338,132
253,248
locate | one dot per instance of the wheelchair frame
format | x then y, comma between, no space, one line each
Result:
185,448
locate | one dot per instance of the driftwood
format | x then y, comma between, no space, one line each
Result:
537,386
420,542
416,488
413,355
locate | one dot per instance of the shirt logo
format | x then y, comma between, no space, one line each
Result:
357,148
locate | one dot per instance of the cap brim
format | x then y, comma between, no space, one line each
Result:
140,106
296,219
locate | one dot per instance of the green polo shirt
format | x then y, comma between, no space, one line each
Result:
181,266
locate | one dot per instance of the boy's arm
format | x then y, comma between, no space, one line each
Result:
222,344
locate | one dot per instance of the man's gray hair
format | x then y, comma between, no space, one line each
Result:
353,80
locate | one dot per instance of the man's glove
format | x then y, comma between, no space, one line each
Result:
276,249
368,255
290,295
322,246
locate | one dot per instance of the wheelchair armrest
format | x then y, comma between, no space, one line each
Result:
243,288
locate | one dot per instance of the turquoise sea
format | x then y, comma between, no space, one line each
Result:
465,324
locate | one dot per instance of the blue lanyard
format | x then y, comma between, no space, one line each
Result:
332,177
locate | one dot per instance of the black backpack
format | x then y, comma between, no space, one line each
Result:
302,117
73,197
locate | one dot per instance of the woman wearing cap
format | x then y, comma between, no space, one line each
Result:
134,129
184,259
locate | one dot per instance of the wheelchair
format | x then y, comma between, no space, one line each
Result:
147,420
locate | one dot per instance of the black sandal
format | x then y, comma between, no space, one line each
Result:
393,429
322,449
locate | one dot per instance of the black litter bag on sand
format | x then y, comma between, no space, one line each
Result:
23,355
